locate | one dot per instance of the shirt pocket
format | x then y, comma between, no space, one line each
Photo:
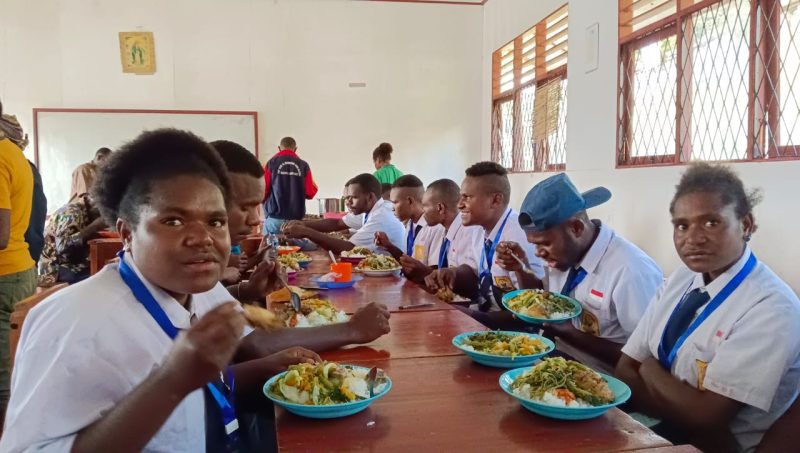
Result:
595,316
694,363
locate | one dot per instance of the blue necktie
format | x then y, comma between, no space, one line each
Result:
574,278
443,261
485,279
683,316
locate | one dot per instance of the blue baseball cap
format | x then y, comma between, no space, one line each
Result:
554,200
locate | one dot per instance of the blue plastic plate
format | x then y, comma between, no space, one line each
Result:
535,320
500,361
621,392
329,410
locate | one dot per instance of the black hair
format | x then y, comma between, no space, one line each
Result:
383,152
1,108
102,151
386,187
237,158
498,174
125,181
288,143
368,183
719,179
447,192
409,181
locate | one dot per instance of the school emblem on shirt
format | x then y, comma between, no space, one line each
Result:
503,283
419,252
589,323
701,373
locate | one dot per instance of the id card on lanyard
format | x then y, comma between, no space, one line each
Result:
667,358
487,259
150,304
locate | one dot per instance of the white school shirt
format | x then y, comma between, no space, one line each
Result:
464,242
620,282
747,350
381,218
512,232
85,348
426,243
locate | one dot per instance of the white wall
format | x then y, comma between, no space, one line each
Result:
639,207
290,60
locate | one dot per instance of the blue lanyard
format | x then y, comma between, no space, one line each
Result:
412,235
488,259
570,285
667,359
366,216
151,305
443,252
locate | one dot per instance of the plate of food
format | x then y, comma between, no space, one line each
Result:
287,249
295,260
503,349
564,389
537,306
328,281
313,313
355,255
283,295
325,389
379,266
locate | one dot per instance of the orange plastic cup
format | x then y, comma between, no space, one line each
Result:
343,269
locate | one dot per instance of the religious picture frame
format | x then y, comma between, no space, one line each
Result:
137,51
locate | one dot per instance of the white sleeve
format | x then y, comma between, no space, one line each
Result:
62,382
633,291
738,369
638,345
353,221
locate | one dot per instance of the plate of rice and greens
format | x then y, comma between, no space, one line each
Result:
379,266
537,306
564,389
503,349
325,389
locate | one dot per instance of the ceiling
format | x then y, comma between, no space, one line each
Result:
453,2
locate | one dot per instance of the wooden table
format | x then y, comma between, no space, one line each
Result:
390,291
414,334
450,404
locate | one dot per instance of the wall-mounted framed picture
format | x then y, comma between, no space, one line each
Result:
137,51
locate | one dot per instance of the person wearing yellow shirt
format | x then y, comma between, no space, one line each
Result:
17,268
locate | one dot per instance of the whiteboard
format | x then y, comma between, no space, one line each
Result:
66,138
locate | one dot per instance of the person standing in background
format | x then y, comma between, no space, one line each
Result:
382,158
83,176
289,185
17,269
35,234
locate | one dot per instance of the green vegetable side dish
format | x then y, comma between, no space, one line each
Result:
541,304
323,383
563,382
504,344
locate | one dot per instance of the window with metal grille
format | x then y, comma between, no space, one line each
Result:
529,92
709,80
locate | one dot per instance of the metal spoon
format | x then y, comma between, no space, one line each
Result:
375,374
526,267
333,257
294,299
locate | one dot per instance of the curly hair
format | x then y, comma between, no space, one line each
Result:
496,177
719,179
125,181
237,158
383,153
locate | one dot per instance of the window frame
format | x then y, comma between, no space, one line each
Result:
540,77
673,25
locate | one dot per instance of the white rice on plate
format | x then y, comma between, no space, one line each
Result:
549,398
